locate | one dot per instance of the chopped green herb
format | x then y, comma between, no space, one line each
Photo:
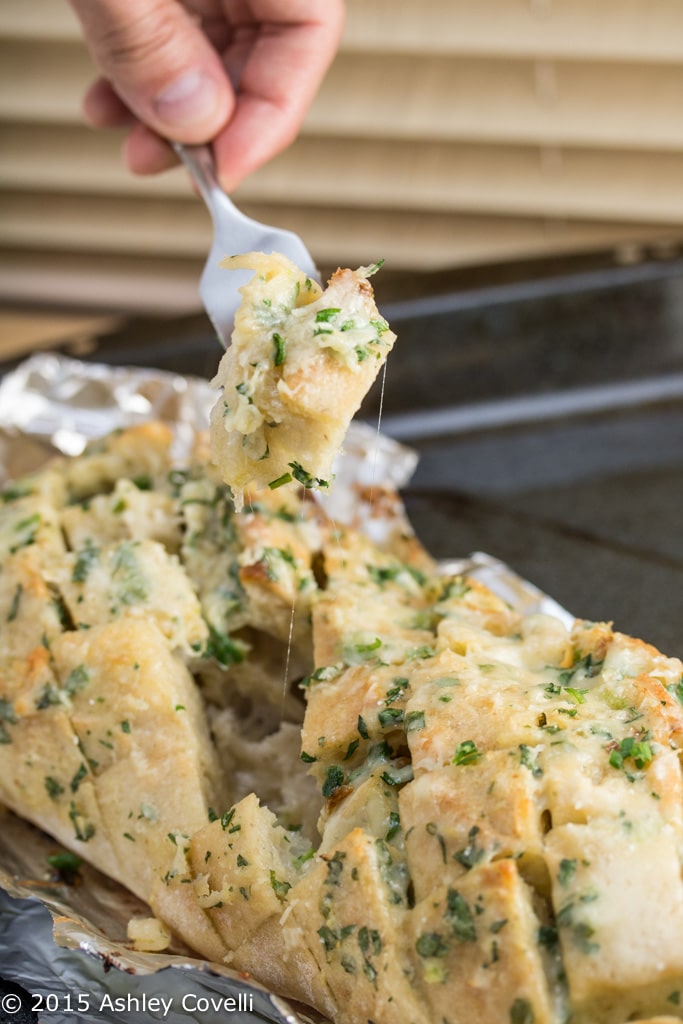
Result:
398,776
324,316
83,829
459,917
125,726
397,691
639,751
85,559
521,1012
369,941
466,753
54,788
226,819
369,271
390,718
526,758
279,887
128,573
79,775
14,492
470,854
566,871
394,826
431,828
329,938
547,936
66,866
77,679
431,944
224,649
28,528
362,728
280,350
334,778
305,478
415,720
14,606
582,933
321,675
677,690
575,694
242,862
351,749
286,478
7,712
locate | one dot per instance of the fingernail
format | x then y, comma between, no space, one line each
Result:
191,98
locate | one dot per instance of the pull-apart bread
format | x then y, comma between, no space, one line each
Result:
299,364
425,810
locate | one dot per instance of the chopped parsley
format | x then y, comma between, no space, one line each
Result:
470,854
639,751
79,775
323,316
390,717
280,350
66,866
305,478
334,779
54,788
415,720
83,829
459,917
321,675
85,559
223,649
566,871
527,759
279,887
14,606
280,481
466,753
521,1012
77,679
431,944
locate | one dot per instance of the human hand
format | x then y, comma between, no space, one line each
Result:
240,74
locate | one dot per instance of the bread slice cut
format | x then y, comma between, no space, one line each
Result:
300,362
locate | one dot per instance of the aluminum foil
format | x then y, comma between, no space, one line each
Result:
67,945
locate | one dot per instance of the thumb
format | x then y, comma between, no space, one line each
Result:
161,65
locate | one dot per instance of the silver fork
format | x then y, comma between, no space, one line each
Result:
233,233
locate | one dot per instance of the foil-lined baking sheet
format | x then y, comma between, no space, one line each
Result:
67,944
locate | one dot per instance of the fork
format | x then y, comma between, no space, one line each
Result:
234,233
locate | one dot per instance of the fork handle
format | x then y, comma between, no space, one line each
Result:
200,163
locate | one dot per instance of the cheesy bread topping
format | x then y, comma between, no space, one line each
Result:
300,362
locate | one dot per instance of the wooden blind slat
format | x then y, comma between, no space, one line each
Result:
634,30
510,101
625,185
98,225
608,30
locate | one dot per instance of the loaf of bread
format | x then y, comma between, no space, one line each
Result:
474,816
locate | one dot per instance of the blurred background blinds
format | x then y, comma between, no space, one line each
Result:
448,133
